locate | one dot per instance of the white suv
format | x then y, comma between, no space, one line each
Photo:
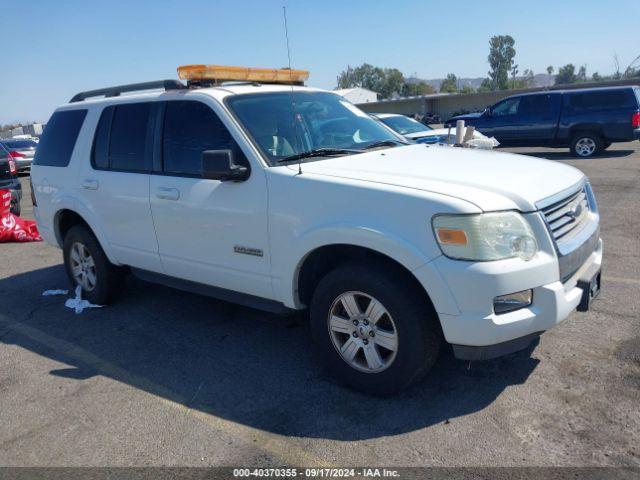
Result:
286,198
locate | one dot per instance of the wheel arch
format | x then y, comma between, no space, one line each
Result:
323,259
66,218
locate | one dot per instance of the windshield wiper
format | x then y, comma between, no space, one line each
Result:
385,143
319,152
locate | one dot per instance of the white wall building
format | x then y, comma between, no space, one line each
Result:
357,95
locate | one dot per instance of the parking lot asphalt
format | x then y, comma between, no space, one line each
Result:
165,377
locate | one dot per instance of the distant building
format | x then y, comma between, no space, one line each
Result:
357,95
31,130
35,129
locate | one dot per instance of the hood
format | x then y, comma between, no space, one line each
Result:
466,116
488,179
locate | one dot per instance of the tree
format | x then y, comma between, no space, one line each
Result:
411,89
501,55
365,76
467,89
393,82
596,77
449,84
514,72
582,74
566,74
617,75
550,70
486,86
385,81
528,77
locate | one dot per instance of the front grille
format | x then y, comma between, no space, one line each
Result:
568,216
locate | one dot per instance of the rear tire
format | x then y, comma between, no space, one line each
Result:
87,266
384,349
586,144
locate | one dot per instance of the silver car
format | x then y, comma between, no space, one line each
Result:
21,151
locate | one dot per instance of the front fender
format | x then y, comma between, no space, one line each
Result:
395,247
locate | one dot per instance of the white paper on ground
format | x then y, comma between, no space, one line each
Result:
77,303
48,293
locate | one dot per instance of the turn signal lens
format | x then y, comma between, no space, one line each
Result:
452,237
12,167
220,73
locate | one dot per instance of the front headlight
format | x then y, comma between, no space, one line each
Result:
485,236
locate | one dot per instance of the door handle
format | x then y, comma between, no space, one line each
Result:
165,193
90,184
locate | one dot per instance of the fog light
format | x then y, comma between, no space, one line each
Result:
513,301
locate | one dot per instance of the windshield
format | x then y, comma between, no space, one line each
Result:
284,124
20,143
404,125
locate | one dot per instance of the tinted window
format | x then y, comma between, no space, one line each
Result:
535,104
637,90
100,153
3,152
59,138
190,128
128,137
508,107
600,100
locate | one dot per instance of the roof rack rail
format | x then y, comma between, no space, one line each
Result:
132,87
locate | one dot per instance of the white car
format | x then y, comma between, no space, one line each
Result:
419,132
284,198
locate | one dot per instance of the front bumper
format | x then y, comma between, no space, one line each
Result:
479,335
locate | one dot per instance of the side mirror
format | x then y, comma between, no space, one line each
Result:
219,165
487,112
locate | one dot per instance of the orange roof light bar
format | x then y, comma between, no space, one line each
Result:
219,74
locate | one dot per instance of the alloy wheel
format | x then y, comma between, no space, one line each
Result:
585,147
83,267
363,332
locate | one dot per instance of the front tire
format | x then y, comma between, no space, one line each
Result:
87,266
374,328
586,144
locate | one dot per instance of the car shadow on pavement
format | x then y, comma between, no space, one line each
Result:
232,362
564,155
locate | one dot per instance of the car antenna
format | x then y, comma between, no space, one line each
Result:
293,104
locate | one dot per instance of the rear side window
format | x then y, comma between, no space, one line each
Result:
121,139
59,138
535,104
601,100
637,90
190,128
4,153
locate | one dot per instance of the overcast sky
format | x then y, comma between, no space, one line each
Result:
53,49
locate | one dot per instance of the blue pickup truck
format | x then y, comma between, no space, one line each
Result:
585,120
